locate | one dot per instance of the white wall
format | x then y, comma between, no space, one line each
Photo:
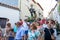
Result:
24,9
56,15
11,14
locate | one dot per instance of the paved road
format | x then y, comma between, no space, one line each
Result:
58,37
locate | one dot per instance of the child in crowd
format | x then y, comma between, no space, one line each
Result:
8,27
11,34
33,33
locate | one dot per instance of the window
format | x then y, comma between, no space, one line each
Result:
3,22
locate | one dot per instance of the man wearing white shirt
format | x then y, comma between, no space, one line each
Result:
25,29
20,32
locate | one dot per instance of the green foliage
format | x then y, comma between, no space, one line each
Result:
30,19
58,27
59,8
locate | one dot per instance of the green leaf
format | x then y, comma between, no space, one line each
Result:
59,8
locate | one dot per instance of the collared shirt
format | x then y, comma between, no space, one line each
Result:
33,35
20,33
45,26
48,33
25,26
15,28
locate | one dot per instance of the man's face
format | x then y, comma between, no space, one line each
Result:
17,25
49,24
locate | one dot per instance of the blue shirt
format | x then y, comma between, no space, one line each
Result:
15,28
33,36
25,25
20,33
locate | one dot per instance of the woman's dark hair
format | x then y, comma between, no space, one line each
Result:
9,24
20,19
38,23
53,22
34,26
11,30
39,19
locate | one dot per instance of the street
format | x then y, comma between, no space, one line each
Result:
58,37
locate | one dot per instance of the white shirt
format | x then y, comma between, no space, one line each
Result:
45,26
25,26
20,33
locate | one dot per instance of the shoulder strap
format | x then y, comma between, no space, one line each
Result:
49,32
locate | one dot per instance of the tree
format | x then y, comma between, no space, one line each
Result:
59,8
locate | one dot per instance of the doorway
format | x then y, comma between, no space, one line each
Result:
3,22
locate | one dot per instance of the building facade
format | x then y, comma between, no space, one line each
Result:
24,6
9,12
55,14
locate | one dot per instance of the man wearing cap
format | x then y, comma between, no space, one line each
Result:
20,32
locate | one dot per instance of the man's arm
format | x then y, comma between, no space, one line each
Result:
23,38
22,34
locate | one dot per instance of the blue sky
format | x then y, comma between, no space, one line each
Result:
10,2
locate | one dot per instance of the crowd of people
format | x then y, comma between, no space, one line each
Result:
40,29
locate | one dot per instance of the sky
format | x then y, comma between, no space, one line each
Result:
10,2
47,5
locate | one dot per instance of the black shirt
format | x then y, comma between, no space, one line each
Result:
48,34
